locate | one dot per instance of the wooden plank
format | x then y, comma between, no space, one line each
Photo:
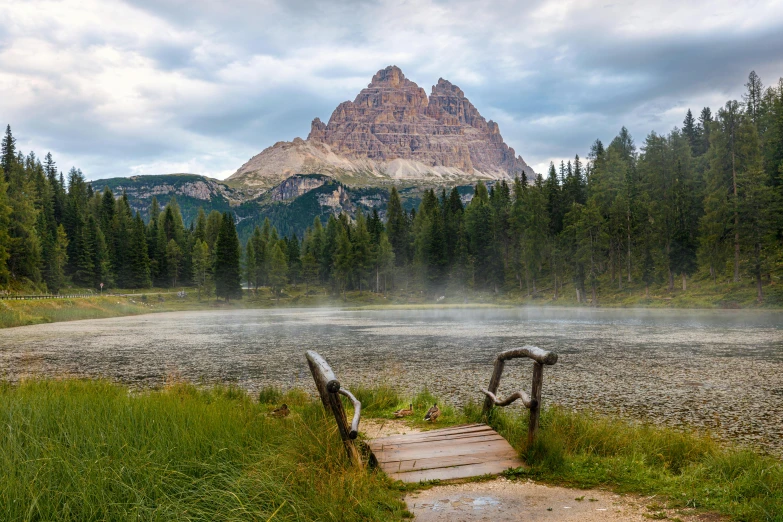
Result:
436,443
437,433
403,442
446,462
458,472
445,454
446,450
441,443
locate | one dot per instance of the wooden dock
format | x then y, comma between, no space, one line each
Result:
452,453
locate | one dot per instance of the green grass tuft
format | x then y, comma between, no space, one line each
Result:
89,450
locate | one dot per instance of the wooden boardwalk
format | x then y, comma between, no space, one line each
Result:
452,453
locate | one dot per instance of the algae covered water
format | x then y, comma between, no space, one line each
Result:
719,370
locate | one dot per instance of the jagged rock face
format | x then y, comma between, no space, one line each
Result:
394,130
294,187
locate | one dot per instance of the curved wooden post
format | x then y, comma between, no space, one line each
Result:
533,401
329,390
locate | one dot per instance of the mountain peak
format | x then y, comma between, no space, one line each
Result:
390,76
392,129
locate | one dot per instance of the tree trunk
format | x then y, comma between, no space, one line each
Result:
595,297
684,283
628,215
578,297
760,293
736,220
646,291
671,280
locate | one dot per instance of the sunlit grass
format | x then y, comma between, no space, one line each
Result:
90,450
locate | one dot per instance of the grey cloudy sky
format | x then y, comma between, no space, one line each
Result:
119,88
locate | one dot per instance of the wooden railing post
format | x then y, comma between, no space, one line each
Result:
494,383
329,390
533,401
535,404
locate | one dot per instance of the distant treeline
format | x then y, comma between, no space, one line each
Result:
704,199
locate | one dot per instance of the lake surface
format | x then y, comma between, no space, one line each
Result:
720,370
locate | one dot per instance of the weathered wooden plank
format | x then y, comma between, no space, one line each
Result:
439,432
443,450
447,462
434,436
458,472
456,439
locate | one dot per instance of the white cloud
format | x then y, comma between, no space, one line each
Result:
151,86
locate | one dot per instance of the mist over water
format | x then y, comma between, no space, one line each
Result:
719,370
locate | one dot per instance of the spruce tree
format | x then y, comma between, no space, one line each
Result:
228,275
397,228
690,132
8,152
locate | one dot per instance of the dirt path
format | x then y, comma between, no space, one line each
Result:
502,500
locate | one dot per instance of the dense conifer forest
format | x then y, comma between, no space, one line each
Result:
703,200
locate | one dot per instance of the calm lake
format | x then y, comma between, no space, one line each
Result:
719,370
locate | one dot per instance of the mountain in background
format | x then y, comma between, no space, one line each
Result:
393,133
290,206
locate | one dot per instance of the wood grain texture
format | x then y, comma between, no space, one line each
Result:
446,454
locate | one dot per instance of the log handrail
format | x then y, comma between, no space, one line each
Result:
329,390
533,401
357,412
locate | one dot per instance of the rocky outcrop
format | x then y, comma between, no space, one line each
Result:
294,187
393,130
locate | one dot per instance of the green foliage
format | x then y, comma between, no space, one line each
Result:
227,260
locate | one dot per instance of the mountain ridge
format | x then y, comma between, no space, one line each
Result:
393,132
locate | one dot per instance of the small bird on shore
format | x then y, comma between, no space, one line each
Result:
282,411
404,412
432,414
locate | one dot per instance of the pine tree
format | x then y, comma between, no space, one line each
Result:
173,261
57,260
278,268
8,152
294,255
397,228
753,97
138,259
250,264
228,278
201,265
690,132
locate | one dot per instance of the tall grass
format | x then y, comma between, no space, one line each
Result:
690,470
90,450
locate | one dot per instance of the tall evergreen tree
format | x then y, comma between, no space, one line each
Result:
228,278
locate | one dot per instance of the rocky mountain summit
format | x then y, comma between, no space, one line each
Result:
393,132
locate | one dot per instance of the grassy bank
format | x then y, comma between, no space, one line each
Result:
90,450
701,294
681,470
87,450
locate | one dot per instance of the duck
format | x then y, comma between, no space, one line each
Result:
432,414
282,411
404,412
